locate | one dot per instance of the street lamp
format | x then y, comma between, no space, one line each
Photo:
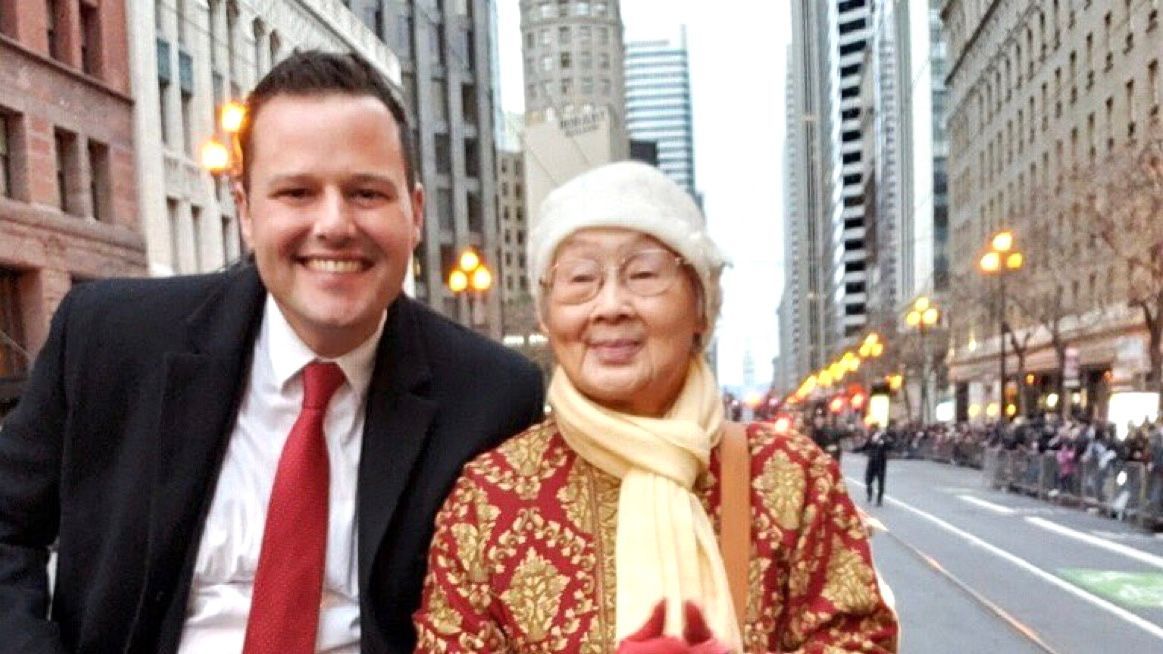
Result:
922,316
1001,259
218,157
471,273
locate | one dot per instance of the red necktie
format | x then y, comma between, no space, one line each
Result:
288,585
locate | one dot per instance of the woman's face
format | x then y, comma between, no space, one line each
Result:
623,350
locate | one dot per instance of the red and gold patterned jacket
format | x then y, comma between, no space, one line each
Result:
523,557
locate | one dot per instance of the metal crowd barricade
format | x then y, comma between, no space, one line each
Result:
1122,489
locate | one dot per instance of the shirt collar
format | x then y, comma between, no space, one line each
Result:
289,354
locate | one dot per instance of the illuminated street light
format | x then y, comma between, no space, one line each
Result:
471,273
993,262
922,316
231,117
214,157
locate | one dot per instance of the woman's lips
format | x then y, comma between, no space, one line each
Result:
616,351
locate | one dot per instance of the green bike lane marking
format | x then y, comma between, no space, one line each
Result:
1138,589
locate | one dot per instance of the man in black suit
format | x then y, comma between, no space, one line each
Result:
877,448
147,443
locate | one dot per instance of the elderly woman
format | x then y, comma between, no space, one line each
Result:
596,530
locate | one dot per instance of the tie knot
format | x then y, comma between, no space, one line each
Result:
320,381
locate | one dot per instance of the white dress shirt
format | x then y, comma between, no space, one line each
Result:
228,554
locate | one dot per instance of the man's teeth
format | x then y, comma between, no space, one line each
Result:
334,265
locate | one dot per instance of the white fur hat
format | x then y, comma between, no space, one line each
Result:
628,195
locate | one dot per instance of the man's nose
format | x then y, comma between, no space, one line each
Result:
334,220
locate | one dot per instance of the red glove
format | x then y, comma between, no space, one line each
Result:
698,635
649,639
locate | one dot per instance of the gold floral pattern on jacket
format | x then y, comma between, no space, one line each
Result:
523,556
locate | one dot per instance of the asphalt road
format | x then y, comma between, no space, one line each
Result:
978,570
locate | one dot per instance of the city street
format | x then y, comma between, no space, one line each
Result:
978,570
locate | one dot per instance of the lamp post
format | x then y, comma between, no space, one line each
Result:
1001,259
471,273
922,316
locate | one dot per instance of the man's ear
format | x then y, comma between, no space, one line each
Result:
242,208
417,199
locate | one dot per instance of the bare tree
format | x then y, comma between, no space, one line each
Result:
1124,208
1060,280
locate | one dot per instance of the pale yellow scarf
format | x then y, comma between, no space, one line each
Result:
666,545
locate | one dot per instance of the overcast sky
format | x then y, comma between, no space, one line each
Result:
737,51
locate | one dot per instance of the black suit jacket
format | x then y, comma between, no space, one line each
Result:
115,449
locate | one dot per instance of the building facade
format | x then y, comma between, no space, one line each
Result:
848,285
68,204
658,104
189,58
575,97
513,227
444,50
806,339
1038,92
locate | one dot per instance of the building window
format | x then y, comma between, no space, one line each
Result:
547,63
53,21
603,36
584,36
90,40
468,103
67,172
439,101
476,219
472,157
445,214
14,359
587,59
565,60
227,240
566,86
175,235
443,154
259,33
275,46
547,10
582,8
6,164
604,60
187,122
100,181
436,43
196,228
404,34
563,34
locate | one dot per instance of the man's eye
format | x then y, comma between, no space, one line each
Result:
294,193
368,194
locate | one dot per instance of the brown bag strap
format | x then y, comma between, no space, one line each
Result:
735,512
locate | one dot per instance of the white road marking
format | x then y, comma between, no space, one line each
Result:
1118,548
996,508
1114,609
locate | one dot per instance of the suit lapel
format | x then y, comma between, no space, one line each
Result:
398,416
202,389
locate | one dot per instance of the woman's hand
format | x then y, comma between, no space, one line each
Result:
650,640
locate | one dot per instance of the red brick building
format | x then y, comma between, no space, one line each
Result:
68,207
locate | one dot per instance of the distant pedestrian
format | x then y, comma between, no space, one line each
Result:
876,448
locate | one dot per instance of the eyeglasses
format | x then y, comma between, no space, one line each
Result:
644,273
